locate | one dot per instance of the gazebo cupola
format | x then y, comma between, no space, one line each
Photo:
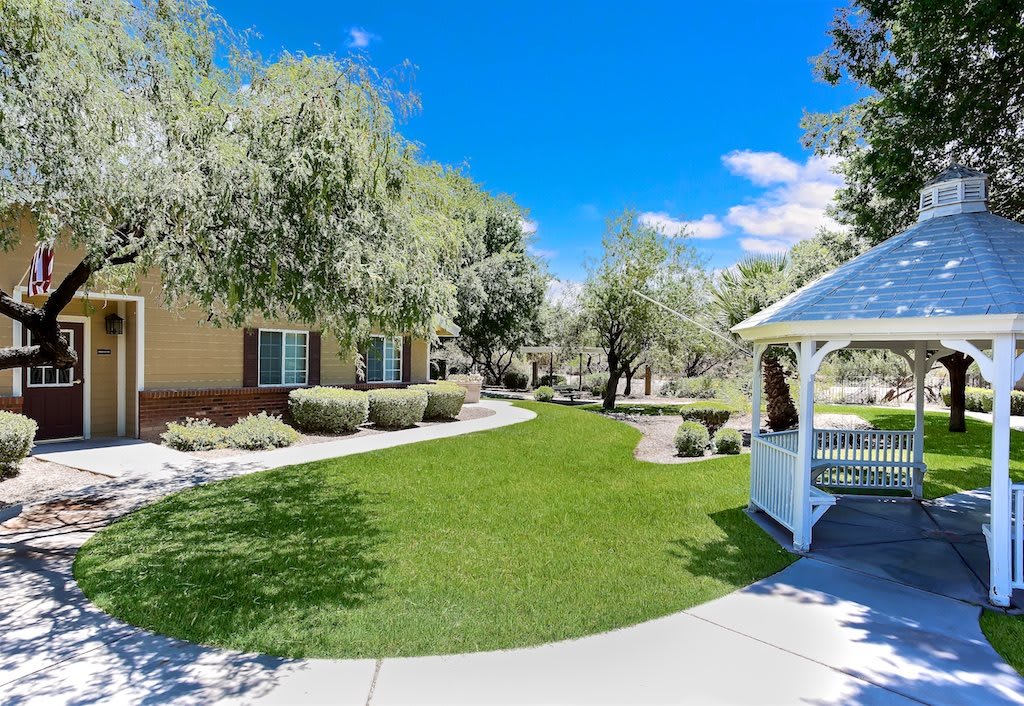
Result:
956,190
953,281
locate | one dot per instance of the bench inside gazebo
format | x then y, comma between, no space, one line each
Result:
954,281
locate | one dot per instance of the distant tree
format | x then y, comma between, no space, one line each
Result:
828,249
745,289
144,133
635,258
944,83
500,285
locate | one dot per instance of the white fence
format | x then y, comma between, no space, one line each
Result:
875,390
1017,534
877,459
772,472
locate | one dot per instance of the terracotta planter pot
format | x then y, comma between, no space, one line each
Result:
472,390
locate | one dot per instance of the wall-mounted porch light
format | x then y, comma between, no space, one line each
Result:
114,325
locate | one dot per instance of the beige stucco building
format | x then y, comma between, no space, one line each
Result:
168,364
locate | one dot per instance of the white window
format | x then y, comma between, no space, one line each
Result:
47,375
384,359
283,357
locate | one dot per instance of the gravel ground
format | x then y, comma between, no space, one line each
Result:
468,412
39,479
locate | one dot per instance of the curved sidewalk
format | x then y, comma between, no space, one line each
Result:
812,633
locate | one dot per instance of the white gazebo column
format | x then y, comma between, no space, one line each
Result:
756,392
1003,378
805,351
920,371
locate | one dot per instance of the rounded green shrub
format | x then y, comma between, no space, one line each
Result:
330,410
596,383
544,394
691,439
194,435
728,441
17,433
444,399
713,418
515,380
261,431
397,409
551,380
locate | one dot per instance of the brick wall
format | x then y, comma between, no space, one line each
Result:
221,406
11,404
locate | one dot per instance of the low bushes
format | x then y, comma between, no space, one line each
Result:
728,441
544,394
254,432
596,383
397,409
17,433
691,439
261,431
194,435
444,399
712,417
979,399
551,380
701,388
330,410
515,380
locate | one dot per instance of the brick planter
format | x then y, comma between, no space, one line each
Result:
472,389
222,407
11,404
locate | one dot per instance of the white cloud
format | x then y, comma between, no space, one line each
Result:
542,252
563,291
706,228
359,38
792,209
529,227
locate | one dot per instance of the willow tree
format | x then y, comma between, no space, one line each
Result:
143,134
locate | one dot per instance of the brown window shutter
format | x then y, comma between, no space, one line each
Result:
313,374
250,357
406,358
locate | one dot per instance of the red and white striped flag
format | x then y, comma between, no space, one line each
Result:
41,271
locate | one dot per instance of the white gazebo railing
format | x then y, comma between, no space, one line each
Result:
773,468
1017,543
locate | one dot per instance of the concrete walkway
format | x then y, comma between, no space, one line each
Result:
815,633
113,457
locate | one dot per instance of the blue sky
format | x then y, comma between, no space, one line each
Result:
688,112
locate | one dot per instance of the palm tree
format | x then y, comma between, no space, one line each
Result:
745,289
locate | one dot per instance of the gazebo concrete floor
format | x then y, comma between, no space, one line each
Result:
933,545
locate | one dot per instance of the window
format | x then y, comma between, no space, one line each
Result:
283,357
47,375
384,359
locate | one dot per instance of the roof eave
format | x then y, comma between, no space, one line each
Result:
889,329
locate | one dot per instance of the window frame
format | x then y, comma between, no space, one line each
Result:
259,358
57,372
399,343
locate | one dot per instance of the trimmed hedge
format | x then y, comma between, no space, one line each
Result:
329,410
261,431
979,399
515,380
691,439
17,434
728,441
544,394
701,388
444,399
713,418
194,435
551,380
397,409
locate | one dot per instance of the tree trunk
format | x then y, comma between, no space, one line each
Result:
629,383
957,364
781,410
611,391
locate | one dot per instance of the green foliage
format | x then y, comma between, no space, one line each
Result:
444,399
1006,633
940,82
728,441
355,556
515,380
596,383
711,416
702,387
979,399
194,435
17,434
465,377
331,410
552,380
692,439
659,410
256,432
397,409
544,394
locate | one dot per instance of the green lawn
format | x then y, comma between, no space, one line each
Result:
541,531
658,410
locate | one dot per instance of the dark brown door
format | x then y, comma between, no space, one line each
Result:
54,397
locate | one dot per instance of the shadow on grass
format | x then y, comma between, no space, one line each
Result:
284,554
740,554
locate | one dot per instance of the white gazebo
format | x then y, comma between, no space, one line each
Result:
954,281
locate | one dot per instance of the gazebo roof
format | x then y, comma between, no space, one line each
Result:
958,260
